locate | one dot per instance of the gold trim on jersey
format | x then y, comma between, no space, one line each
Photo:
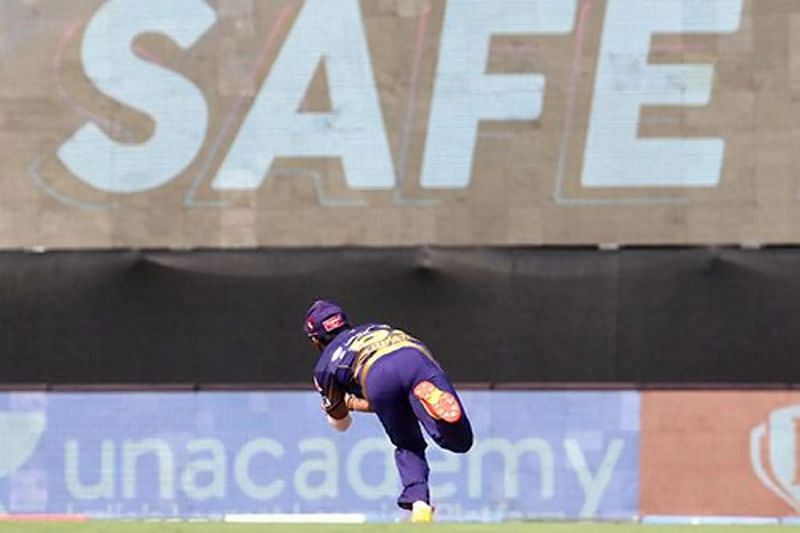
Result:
377,344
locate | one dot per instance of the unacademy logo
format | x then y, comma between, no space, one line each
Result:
20,433
774,454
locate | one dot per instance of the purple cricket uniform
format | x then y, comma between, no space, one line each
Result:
383,365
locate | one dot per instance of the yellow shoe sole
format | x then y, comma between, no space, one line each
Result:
441,405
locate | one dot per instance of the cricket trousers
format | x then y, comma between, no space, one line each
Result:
389,386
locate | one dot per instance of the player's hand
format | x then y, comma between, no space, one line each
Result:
340,424
354,403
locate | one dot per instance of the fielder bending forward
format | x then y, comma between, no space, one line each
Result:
377,368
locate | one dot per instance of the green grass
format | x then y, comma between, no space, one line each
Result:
134,527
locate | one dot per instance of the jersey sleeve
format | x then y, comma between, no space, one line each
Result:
332,395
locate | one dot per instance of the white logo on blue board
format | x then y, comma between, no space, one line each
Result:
20,434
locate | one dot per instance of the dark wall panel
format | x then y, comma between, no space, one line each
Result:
491,315
710,315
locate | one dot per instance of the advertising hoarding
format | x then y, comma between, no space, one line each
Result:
537,454
720,453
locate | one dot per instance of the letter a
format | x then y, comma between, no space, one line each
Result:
331,30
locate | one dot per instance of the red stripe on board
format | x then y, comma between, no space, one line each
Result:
43,518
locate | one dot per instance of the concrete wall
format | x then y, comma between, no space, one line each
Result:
146,123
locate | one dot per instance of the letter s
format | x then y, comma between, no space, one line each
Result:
176,105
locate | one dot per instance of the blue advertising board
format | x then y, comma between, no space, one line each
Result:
210,454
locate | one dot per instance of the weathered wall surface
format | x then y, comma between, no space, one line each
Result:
386,122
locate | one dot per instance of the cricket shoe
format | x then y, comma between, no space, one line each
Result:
421,513
441,405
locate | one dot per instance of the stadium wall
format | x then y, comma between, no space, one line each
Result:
189,123
137,126
637,317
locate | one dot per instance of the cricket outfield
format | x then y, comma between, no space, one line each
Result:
509,527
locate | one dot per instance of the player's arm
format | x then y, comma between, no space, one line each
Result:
333,402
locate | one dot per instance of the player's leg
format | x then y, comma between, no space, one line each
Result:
388,398
438,407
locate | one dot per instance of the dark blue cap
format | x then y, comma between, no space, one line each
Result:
324,317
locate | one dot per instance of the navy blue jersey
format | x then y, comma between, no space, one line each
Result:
343,365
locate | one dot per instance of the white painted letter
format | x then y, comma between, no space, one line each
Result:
615,157
329,30
441,463
132,451
104,487
241,469
214,466
327,465
464,94
388,487
593,486
511,454
177,107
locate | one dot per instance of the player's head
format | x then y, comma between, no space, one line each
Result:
324,321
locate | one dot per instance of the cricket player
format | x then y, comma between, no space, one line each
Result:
377,368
